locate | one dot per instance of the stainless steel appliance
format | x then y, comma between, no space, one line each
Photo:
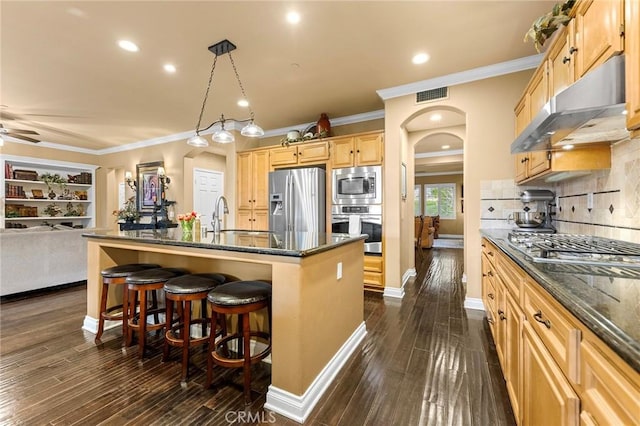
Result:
535,221
297,200
357,185
570,249
366,219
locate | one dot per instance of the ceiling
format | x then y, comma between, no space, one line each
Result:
63,75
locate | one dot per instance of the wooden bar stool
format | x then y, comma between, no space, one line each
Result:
116,276
238,298
183,291
138,284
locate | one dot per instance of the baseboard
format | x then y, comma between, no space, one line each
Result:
398,293
473,303
90,324
298,408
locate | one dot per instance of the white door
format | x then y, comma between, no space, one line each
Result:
208,185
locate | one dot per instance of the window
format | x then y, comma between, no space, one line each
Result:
440,199
417,205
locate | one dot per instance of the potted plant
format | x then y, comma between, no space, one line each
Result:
543,27
49,179
129,212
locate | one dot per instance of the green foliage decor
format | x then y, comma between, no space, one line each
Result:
543,28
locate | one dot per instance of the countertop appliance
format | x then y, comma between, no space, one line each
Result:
620,258
360,219
357,185
590,110
535,221
297,200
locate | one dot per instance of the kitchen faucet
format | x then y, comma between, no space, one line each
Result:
216,221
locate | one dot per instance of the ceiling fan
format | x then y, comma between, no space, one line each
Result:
19,134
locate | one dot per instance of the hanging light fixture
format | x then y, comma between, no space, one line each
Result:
222,135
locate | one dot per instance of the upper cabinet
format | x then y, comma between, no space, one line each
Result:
360,150
306,153
252,190
599,33
632,64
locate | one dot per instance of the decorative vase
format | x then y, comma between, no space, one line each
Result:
323,126
52,195
187,230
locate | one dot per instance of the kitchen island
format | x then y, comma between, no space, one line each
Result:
317,300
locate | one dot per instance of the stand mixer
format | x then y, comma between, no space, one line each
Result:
541,196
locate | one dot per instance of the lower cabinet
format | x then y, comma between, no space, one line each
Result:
373,272
556,371
548,398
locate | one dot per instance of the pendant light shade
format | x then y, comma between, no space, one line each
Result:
251,130
197,141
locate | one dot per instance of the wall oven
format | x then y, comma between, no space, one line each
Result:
357,185
369,219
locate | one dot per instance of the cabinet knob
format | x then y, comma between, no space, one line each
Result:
491,296
565,60
490,320
351,152
573,50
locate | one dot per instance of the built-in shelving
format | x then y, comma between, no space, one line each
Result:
28,209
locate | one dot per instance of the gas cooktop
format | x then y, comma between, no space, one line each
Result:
571,249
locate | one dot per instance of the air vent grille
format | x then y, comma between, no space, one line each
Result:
432,95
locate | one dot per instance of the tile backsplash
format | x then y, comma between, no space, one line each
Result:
615,212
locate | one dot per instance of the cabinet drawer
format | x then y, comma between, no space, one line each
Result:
511,275
373,278
559,335
373,263
490,251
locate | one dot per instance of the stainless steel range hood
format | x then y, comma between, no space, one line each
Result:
590,110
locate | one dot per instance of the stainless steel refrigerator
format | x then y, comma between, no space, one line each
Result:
297,200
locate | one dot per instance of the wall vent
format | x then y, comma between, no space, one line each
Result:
432,95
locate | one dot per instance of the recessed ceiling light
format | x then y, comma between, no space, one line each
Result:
420,58
435,117
567,147
128,45
170,68
243,103
446,146
293,17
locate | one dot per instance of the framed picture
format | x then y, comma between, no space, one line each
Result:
403,177
148,189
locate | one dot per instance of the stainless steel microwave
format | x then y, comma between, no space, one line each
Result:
357,185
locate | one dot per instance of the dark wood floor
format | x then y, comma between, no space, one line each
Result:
425,360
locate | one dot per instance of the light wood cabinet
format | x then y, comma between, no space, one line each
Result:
547,165
373,272
306,153
555,369
548,398
252,196
360,150
561,62
632,64
599,33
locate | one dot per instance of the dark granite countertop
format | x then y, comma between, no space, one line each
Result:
295,244
608,305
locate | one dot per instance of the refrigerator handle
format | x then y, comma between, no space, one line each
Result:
291,206
287,203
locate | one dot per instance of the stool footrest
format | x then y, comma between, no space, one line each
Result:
239,362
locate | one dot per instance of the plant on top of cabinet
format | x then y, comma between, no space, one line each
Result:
543,28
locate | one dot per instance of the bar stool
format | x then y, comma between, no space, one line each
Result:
183,291
138,284
116,276
241,298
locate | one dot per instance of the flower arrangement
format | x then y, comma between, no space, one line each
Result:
543,27
187,217
186,223
129,212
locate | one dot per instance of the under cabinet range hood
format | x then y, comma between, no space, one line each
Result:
590,110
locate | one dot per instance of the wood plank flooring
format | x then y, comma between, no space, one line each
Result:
425,360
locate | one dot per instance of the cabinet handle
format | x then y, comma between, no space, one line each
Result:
351,152
501,314
490,320
565,60
491,296
573,50
490,253
483,245
538,317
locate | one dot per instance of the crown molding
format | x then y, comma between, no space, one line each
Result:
339,121
481,73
